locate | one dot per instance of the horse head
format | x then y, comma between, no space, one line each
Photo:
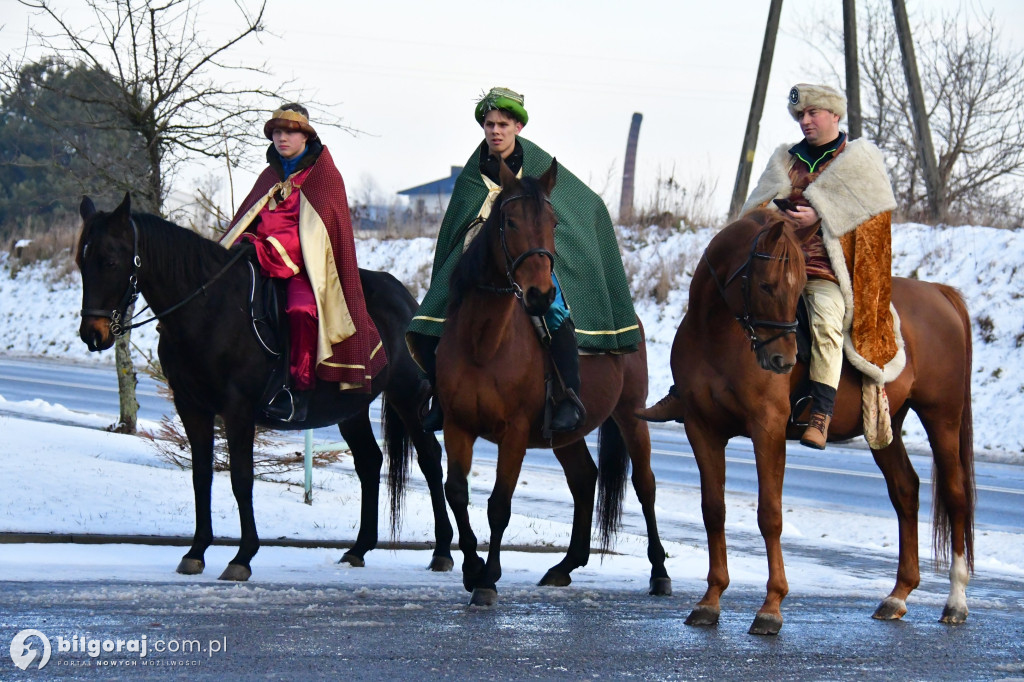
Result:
766,265
107,256
526,236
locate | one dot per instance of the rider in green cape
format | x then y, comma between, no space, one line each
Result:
588,266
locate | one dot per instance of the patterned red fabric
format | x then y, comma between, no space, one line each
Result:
281,223
351,360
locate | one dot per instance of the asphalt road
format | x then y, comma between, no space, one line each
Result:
380,632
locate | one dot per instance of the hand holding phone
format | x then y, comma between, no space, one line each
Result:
784,204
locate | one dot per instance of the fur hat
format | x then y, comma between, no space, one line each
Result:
286,119
804,95
505,99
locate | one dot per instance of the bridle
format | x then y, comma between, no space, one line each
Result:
512,264
750,323
119,315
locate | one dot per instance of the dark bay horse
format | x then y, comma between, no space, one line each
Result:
754,268
215,367
490,376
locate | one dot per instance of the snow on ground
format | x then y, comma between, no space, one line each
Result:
62,478
39,311
68,476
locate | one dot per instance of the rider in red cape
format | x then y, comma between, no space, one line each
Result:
297,217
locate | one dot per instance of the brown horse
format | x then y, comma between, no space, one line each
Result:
753,271
491,385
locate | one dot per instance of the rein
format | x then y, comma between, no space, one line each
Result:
750,323
119,315
512,264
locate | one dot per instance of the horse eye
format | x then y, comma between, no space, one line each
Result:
765,287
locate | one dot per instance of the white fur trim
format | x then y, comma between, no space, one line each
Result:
844,205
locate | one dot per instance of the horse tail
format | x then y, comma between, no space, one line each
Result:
941,529
398,452
612,470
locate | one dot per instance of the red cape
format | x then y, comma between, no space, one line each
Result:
359,358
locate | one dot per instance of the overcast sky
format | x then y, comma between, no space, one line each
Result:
408,74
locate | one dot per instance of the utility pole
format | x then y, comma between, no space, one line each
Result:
764,67
629,172
922,132
853,115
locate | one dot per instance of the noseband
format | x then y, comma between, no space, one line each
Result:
512,264
750,323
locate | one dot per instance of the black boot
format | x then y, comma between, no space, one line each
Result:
568,413
426,350
289,405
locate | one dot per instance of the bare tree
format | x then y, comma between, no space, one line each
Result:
973,85
174,89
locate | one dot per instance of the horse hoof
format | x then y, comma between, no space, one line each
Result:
555,578
352,560
189,566
705,616
953,615
891,608
484,596
765,624
661,587
235,572
441,564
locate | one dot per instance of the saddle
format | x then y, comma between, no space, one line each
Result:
267,297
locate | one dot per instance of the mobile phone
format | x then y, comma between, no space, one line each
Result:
784,204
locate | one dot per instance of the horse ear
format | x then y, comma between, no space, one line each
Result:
505,175
126,205
86,209
547,181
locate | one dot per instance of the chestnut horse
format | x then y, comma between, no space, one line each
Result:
215,365
490,381
753,271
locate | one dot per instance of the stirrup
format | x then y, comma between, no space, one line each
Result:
288,406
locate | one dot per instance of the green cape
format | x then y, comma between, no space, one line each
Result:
587,258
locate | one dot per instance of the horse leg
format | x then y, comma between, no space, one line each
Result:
952,507
770,455
511,451
199,430
428,456
240,432
709,451
581,475
904,489
368,460
459,446
637,436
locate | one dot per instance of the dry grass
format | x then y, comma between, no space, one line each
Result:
172,446
678,205
56,245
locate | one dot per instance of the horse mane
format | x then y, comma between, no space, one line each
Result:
475,265
786,256
174,249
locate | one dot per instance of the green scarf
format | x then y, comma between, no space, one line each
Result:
587,258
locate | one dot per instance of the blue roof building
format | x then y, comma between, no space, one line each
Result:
441,190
